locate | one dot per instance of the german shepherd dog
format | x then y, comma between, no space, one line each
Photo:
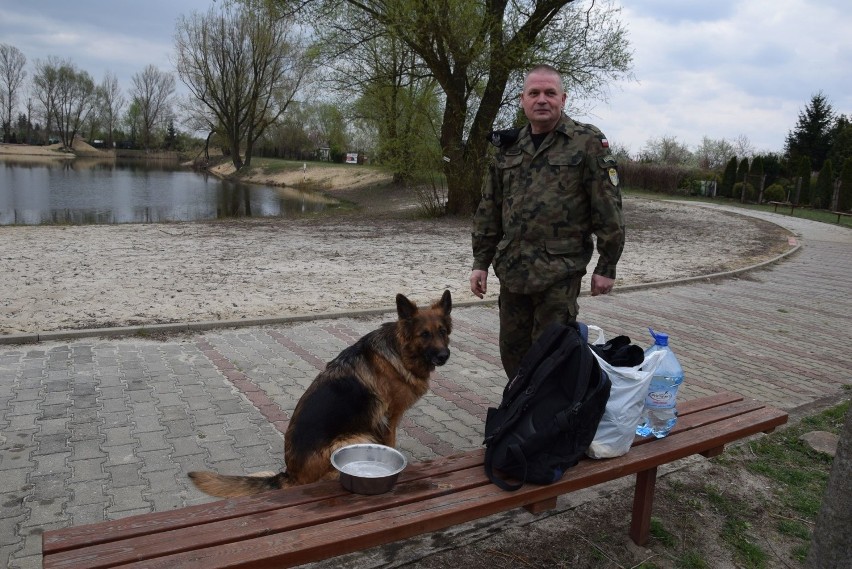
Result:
359,397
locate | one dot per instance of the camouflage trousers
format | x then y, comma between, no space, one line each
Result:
523,317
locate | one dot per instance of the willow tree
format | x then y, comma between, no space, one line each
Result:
243,67
477,52
399,101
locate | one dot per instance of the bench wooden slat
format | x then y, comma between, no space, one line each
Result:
381,526
155,523
688,406
292,517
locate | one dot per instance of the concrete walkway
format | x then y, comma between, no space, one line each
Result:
100,428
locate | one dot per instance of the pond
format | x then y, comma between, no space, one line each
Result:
96,191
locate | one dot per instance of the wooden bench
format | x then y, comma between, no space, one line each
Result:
286,528
840,214
792,206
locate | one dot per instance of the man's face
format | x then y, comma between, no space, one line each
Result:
542,100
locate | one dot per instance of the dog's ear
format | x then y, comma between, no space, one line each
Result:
404,307
446,302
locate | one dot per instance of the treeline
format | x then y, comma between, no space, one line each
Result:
815,168
53,101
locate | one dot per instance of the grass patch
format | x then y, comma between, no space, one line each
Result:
661,534
758,501
801,472
794,528
798,476
693,560
682,555
274,165
737,530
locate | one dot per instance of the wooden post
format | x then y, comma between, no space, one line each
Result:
643,502
835,198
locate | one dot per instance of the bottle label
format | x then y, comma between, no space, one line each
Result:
664,399
662,394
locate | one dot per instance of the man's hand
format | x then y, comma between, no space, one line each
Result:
479,282
600,284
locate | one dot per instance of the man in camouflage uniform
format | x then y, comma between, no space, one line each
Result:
550,187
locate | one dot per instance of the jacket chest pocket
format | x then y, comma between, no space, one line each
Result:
511,172
565,166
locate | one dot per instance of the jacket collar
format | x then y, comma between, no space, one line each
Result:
565,126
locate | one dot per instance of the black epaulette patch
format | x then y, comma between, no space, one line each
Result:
501,138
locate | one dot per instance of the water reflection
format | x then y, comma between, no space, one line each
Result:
96,191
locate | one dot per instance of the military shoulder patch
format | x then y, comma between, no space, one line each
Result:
613,176
501,138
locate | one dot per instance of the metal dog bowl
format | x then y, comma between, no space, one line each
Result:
368,468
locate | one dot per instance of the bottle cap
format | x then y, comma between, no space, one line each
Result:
660,338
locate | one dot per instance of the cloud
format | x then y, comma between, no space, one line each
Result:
725,69
719,69
94,45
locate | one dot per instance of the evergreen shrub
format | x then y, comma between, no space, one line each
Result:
750,192
774,193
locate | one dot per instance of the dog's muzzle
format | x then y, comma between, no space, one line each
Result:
440,358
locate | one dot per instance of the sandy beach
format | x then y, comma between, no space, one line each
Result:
71,277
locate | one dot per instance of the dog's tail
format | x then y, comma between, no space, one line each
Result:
224,486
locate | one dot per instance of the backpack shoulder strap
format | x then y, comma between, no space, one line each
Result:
548,342
489,468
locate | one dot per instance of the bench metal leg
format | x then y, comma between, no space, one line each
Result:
643,502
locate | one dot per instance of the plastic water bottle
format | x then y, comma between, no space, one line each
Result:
660,412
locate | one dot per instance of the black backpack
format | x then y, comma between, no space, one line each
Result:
550,410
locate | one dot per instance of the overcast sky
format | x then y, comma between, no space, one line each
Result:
715,68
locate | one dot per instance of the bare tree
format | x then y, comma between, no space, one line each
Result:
75,95
12,75
743,146
45,85
666,150
242,68
152,92
30,108
112,104
66,95
714,154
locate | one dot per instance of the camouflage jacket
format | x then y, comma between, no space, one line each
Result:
540,208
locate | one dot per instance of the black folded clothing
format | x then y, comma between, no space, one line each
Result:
619,352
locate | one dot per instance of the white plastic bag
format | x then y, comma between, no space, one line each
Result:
601,339
624,408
